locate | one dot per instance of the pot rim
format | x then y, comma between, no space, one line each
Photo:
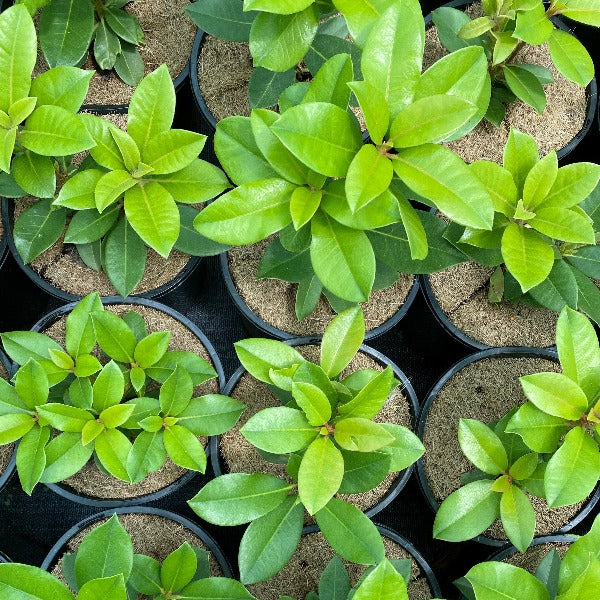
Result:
4,558
195,83
508,352
403,476
591,88
537,541
10,467
46,286
206,538
65,492
270,330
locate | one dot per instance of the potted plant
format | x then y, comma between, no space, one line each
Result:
322,432
134,192
344,224
541,251
555,576
129,414
105,563
468,411
534,59
119,41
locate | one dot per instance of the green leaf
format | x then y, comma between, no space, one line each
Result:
383,582
31,457
518,517
105,551
87,226
171,151
405,449
269,541
342,258
307,297
320,474
564,224
107,45
374,107
588,299
238,498
558,290
179,568
217,587
361,435
555,394
31,384
520,155
145,575
573,184
211,414
437,174
224,19
361,16
24,582
370,399
539,430
151,348
14,426
106,152
334,583
111,588
313,402
63,417
114,336
176,392
279,430
18,49
38,228
248,213
577,558
65,456
78,191
129,65
112,449
369,175
499,184
482,446
304,202
152,107
350,532
147,455
108,387
533,26
500,580
525,86
573,470
124,24
570,57
393,52
62,86
539,181
281,7
323,136
467,512
341,340
54,131
583,11
127,147
23,345
265,86
114,416
35,174
258,356
124,257
279,42
527,255
330,83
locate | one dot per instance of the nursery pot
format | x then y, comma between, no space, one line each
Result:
302,572
3,249
8,454
207,118
61,546
218,461
494,389
258,326
53,290
4,558
591,90
86,499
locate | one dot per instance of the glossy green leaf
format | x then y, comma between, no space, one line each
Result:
259,355
520,155
570,57
65,456
176,392
539,181
14,426
383,582
78,191
482,446
112,449
555,394
526,86
558,290
330,83
24,582
361,435
224,19
31,457
369,175
533,26
129,65
374,107
341,340
111,588
518,517
114,336
173,150
500,580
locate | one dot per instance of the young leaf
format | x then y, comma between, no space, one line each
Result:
503,580
570,57
362,435
111,588
112,449
555,394
369,175
539,181
482,446
539,430
384,581
520,154
341,340
313,402
65,455
184,448
258,356
179,568
518,517
31,457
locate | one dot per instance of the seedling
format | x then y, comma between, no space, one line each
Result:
505,29
105,566
129,413
69,30
340,207
134,191
325,432
573,576
543,242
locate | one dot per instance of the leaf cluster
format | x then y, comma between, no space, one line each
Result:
135,189
576,575
130,409
325,434
38,118
105,566
340,207
543,240
69,29
506,27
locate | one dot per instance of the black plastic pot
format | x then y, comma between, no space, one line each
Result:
257,326
10,468
70,494
592,88
208,121
408,546
407,388
500,353
59,547
37,279
4,558
3,249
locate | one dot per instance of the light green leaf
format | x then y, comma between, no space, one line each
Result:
584,11
171,151
184,448
525,86
24,582
533,26
361,435
570,57
341,340
520,154
112,449
313,402
259,355
482,446
374,107
518,517
503,581
539,181
114,336
78,191
198,182
108,387
369,175
65,456
31,457
564,224
383,582
34,173
555,394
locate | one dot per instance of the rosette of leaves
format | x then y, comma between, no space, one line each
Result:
576,575
69,29
136,189
504,29
106,566
285,38
340,207
543,242
388,579
38,118
325,433
129,414
505,469
562,418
